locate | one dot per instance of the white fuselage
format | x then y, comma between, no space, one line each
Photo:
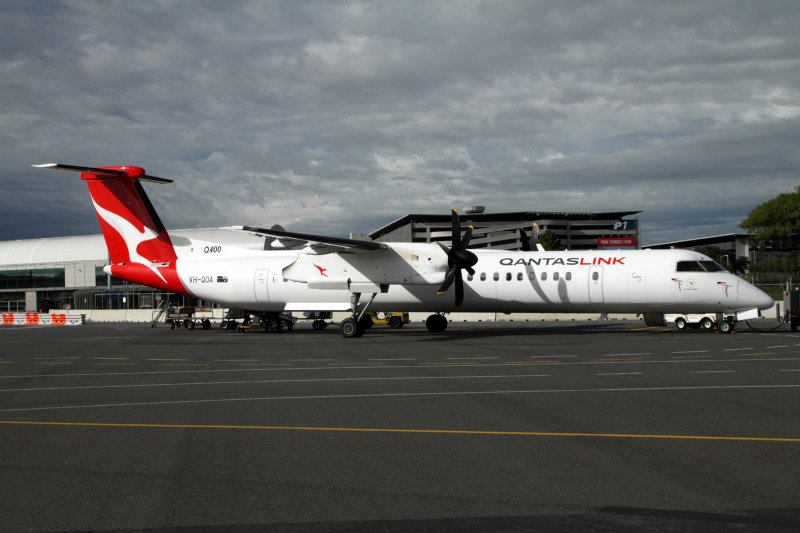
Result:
406,277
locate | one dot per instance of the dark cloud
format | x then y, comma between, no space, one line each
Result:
340,116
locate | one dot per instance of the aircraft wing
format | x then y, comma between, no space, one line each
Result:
320,244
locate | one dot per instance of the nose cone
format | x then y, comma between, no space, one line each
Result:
753,297
762,299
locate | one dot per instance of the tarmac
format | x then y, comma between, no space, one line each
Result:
590,426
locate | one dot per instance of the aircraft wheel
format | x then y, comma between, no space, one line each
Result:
707,324
680,323
365,323
395,322
436,323
317,324
349,328
726,326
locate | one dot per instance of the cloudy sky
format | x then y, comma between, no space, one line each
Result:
332,117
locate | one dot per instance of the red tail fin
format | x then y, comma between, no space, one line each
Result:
138,245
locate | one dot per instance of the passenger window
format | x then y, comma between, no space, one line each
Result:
508,276
483,276
519,276
569,276
496,276
544,276
469,277
555,276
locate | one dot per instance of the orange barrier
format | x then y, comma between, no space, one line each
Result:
43,319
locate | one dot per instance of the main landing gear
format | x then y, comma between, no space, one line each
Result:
436,323
355,325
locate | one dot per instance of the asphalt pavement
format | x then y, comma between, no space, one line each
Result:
591,426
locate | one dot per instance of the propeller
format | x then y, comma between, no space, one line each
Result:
526,241
458,259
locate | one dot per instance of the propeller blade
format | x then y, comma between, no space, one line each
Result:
525,241
459,289
456,228
448,279
466,238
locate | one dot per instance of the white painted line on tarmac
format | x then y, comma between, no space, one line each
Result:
170,359
737,349
626,354
328,397
692,351
274,381
783,346
392,359
619,373
472,358
713,371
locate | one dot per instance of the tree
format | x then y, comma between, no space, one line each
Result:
549,241
776,223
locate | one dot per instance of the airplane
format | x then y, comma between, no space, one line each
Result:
304,272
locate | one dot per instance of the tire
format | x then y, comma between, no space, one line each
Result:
436,323
707,324
680,323
365,323
349,328
725,326
395,322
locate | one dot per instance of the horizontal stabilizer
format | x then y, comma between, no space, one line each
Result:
100,171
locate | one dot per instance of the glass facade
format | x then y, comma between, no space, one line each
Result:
32,278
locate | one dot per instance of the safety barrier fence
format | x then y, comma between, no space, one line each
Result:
42,319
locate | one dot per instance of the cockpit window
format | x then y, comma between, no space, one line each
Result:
698,266
711,266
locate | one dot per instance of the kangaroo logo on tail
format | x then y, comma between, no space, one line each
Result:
138,244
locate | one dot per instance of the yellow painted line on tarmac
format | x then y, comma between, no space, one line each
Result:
403,430
6,362
530,362
356,364
449,363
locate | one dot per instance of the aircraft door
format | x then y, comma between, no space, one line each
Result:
261,284
596,284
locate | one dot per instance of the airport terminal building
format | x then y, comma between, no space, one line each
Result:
64,273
